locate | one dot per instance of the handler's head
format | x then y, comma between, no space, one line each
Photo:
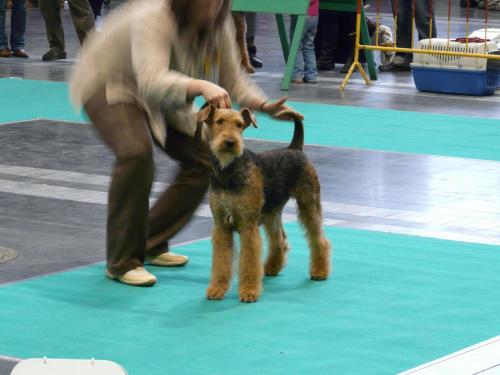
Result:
201,15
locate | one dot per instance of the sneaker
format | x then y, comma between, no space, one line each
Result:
137,277
297,80
53,55
310,80
168,259
394,68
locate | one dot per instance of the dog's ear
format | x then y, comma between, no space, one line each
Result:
207,114
248,117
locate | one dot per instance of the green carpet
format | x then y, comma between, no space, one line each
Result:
328,125
35,99
392,303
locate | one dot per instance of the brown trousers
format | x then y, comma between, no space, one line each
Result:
132,229
81,13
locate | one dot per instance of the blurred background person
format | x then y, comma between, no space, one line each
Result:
17,29
83,19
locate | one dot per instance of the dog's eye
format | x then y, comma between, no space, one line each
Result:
239,125
219,122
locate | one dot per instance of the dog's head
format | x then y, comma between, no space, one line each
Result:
226,128
385,40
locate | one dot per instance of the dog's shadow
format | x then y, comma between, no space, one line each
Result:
199,308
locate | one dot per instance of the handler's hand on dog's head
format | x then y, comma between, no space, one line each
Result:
278,106
216,95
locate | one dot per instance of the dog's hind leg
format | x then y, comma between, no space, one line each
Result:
277,244
250,266
310,217
222,261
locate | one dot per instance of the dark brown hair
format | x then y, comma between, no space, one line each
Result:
183,8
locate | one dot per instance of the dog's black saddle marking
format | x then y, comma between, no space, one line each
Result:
280,170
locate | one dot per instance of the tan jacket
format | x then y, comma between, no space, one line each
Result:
139,57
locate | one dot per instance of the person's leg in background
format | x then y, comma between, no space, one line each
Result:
298,69
51,13
310,69
18,27
252,21
4,42
347,23
423,18
96,6
401,61
326,39
82,16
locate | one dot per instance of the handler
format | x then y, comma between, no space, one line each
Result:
136,80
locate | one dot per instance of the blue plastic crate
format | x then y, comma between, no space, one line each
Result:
456,81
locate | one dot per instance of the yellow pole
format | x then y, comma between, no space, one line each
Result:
356,55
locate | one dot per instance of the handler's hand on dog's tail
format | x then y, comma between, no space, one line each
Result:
276,110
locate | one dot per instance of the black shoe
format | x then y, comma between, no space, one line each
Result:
394,68
325,61
252,55
53,55
347,66
325,65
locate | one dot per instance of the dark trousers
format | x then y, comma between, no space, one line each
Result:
17,24
335,36
81,14
132,229
404,24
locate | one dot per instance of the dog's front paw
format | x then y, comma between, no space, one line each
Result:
320,273
214,293
249,296
320,270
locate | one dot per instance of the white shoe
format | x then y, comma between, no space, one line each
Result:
137,277
168,259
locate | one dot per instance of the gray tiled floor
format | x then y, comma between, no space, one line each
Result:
52,208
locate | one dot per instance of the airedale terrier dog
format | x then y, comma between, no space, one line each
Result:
248,190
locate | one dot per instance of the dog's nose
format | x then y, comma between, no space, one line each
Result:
230,143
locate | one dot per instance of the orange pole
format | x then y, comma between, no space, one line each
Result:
432,20
378,18
467,27
413,25
485,26
449,23
395,22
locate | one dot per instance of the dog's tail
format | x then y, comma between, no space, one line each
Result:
298,134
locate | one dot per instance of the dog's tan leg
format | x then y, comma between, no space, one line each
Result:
222,261
310,217
250,267
241,29
278,246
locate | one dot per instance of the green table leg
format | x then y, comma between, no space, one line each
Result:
294,48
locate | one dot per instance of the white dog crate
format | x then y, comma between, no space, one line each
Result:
44,366
456,74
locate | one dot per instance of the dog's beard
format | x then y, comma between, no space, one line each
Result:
225,159
226,156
